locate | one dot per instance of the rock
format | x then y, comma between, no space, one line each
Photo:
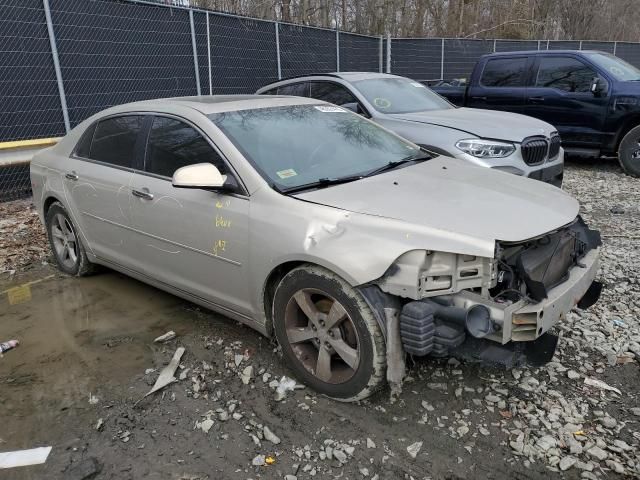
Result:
340,456
615,466
462,430
414,449
290,477
258,460
546,442
597,453
483,431
85,469
270,436
567,462
364,471
608,422
635,411
572,374
238,359
370,443
223,416
205,425
247,375
491,398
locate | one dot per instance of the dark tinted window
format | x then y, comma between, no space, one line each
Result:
84,145
297,90
173,144
504,72
115,139
273,91
564,73
331,92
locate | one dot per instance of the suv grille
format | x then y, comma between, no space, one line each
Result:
554,146
534,150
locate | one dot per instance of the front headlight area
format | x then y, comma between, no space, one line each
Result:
480,148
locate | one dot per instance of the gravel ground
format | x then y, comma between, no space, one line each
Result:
576,417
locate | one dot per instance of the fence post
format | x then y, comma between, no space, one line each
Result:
195,53
442,60
56,66
278,49
381,66
494,45
388,53
547,44
538,44
615,47
209,56
337,50
580,47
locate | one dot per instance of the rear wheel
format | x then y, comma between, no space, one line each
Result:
328,334
629,152
65,242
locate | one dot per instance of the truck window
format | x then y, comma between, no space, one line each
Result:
504,72
564,73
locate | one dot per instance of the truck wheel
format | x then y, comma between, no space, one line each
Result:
629,152
328,334
65,242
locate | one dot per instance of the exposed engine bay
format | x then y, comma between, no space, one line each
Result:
514,298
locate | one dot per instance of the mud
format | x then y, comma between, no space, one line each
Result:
93,338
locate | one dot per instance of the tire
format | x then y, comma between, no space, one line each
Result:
353,345
65,243
629,152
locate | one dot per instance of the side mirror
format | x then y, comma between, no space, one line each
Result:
200,175
597,86
355,108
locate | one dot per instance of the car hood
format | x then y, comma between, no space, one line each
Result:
482,123
451,197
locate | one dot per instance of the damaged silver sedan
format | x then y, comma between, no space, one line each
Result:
307,222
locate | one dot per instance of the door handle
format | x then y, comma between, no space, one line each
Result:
142,194
536,99
479,98
71,176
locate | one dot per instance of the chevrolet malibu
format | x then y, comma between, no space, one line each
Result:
350,245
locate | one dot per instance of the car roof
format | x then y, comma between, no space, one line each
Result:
208,104
539,52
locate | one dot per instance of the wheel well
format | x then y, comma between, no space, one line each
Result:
270,285
47,204
629,123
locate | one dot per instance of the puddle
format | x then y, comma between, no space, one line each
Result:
78,336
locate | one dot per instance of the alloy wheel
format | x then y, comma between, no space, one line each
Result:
64,241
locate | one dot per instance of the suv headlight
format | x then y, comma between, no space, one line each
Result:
486,148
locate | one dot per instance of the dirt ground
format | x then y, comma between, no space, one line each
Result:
87,356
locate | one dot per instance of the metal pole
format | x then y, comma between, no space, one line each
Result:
442,60
278,50
547,44
195,52
580,48
538,44
494,45
56,66
381,66
388,53
209,56
615,47
337,50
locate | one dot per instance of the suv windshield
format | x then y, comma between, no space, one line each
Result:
618,68
298,145
400,95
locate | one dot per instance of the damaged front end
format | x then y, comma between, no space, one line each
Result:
498,309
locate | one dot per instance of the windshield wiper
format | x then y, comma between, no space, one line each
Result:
321,183
391,165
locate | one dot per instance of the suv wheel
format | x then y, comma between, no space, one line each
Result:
629,152
328,334
65,242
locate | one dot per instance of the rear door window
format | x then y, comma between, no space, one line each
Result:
114,140
296,89
331,92
565,73
504,72
173,144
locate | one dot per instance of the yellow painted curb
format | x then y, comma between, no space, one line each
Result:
36,142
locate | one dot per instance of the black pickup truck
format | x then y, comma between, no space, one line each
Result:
591,97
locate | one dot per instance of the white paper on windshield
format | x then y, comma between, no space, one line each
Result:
289,172
330,109
23,458
417,85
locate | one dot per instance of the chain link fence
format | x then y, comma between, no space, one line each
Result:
64,60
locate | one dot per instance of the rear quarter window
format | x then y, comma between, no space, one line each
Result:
84,145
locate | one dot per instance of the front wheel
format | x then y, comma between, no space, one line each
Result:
629,152
328,334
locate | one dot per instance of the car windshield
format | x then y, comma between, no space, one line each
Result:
615,66
400,95
298,145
